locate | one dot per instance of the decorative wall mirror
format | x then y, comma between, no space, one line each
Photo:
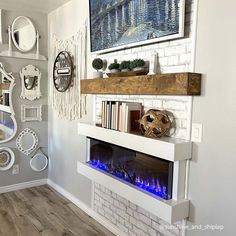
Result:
31,113
27,141
8,125
39,162
23,34
7,158
24,37
63,71
30,82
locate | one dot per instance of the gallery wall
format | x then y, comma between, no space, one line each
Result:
14,65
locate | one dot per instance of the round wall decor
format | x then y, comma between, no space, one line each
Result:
7,158
63,71
39,162
27,141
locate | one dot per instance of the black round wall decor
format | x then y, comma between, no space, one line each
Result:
63,71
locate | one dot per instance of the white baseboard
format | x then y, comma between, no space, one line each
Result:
86,209
15,187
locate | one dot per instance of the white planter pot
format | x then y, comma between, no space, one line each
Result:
97,74
138,69
125,70
114,71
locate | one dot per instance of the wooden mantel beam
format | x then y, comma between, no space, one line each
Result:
161,84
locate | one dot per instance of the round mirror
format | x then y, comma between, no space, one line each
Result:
27,141
7,159
39,162
23,34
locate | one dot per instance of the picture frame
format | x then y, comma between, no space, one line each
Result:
31,113
122,24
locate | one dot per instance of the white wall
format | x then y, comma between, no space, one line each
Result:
213,168
66,147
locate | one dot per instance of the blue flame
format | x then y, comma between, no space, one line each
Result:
150,186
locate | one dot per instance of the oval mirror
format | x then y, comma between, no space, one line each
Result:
23,34
8,125
27,141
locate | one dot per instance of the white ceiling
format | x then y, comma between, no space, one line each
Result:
44,6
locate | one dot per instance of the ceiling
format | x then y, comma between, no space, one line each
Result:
44,6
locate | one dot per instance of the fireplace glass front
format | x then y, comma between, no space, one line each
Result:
148,173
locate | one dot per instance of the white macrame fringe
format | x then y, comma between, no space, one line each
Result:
71,105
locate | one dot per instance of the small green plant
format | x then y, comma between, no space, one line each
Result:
125,65
97,64
114,66
137,63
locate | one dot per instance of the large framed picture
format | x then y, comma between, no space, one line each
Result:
119,24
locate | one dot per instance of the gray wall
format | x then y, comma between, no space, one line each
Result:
14,65
213,168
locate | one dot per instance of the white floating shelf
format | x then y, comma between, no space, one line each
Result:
168,210
29,56
170,149
5,108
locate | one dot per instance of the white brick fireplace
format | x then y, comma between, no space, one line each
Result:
174,56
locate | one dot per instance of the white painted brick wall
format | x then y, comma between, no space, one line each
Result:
174,56
178,106
129,218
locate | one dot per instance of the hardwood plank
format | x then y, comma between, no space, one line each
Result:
160,84
42,211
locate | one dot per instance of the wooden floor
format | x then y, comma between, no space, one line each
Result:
42,211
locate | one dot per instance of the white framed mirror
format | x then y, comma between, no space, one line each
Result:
7,158
23,34
30,82
8,125
27,141
39,162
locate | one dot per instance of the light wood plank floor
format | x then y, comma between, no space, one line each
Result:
42,211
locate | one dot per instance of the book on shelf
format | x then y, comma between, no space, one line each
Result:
122,116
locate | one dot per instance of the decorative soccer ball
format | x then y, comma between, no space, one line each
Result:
155,123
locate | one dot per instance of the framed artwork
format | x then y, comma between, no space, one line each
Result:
119,24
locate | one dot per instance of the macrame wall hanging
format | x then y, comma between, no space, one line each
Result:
71,105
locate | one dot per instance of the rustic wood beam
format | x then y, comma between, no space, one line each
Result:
160,84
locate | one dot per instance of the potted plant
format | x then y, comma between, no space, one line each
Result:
114,67
125,66
98,65
138,65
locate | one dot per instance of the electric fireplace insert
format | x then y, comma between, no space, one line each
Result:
150,174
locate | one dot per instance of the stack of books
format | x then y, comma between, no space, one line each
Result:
122,116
